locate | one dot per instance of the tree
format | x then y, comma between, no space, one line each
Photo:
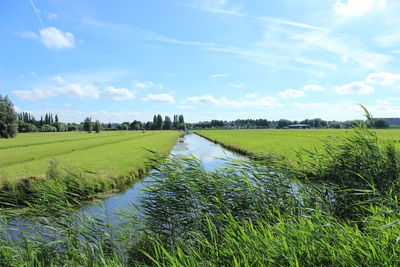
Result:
159,122
97,127
176,121
87,125
381,124
167,123
181,119
8,118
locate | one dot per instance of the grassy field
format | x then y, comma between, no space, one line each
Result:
107,153
284,142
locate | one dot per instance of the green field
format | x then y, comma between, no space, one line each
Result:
285,142
107,153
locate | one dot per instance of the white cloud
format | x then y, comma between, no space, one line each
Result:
185,107
118,93
139,84
291,93
205,99
308,106
251,95
160,98
147,84
261,102
51,15
382,78
35,94
56,39
218,75
51,37
355,88
355,8
74,89
217,6
236,85
346,47
313,87
59,86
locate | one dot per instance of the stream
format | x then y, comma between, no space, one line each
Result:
209,153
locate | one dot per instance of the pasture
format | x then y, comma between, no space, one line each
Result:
106,153
284,142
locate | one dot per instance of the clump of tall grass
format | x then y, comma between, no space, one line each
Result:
353,170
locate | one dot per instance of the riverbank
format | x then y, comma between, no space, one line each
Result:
111,166
284,142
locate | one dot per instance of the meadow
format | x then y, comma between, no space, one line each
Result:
284,142
103,161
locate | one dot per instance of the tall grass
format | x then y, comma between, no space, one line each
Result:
339,207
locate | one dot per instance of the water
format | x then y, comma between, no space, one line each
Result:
211,155
208,153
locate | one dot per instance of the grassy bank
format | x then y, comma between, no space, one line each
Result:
98,163
341,209
285,142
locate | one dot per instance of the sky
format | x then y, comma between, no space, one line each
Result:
127,60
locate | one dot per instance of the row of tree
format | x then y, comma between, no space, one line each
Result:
158,123
281,124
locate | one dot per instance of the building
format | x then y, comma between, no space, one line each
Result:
299,126
391,121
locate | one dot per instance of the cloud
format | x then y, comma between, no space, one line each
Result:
355,88
346,47
217,6
313,87
251,95
308,106
218,75
33,95
185,107
261,102
59,86
147,84
74,89
56,39
382,78
205,99
160,98
236,85
51,15
356,8
118,93
52,38
291,93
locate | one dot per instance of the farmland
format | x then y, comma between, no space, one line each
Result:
282,142
107,153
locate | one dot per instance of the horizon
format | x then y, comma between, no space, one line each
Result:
221,59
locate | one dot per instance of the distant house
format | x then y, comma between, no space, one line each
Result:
391,121
299,126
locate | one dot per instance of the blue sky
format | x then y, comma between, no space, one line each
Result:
223,59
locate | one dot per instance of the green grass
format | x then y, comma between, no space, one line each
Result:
108,153
285,142
343,211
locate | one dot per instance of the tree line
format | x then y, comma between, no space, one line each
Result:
282,124
11,123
